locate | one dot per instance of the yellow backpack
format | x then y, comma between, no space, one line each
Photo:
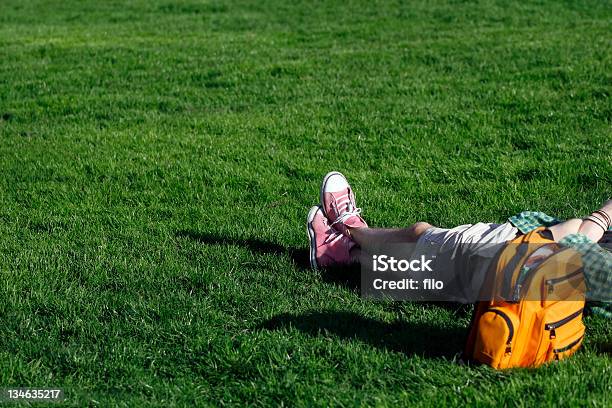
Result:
536,312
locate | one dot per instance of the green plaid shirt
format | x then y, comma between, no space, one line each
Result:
527,221
597,261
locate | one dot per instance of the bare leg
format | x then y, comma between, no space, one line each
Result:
586,227
372,238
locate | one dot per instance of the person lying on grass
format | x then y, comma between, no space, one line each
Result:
338,233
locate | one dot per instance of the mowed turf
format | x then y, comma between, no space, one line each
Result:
158,159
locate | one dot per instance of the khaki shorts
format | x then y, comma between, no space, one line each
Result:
464,254
481,233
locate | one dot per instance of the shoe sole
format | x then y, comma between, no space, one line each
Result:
321,192
312,238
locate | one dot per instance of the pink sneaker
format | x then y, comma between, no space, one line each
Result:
338,201
328,247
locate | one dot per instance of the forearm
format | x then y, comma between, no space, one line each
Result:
592,227
595,225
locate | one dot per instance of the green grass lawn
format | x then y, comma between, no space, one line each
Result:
158,159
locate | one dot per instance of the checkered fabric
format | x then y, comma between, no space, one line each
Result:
597,261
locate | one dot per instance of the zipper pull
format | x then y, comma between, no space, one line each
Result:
517,293
551,287
553,334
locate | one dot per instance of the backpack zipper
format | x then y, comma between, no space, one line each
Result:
509,324
565,348
555,325
552,282
518,285
510,267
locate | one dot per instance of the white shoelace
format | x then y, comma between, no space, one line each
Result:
332,237
346,215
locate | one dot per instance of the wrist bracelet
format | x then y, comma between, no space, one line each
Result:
605,215
597,221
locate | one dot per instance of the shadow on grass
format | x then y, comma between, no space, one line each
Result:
408,338
299,256
345,276
604,348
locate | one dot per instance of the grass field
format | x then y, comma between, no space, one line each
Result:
158,158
